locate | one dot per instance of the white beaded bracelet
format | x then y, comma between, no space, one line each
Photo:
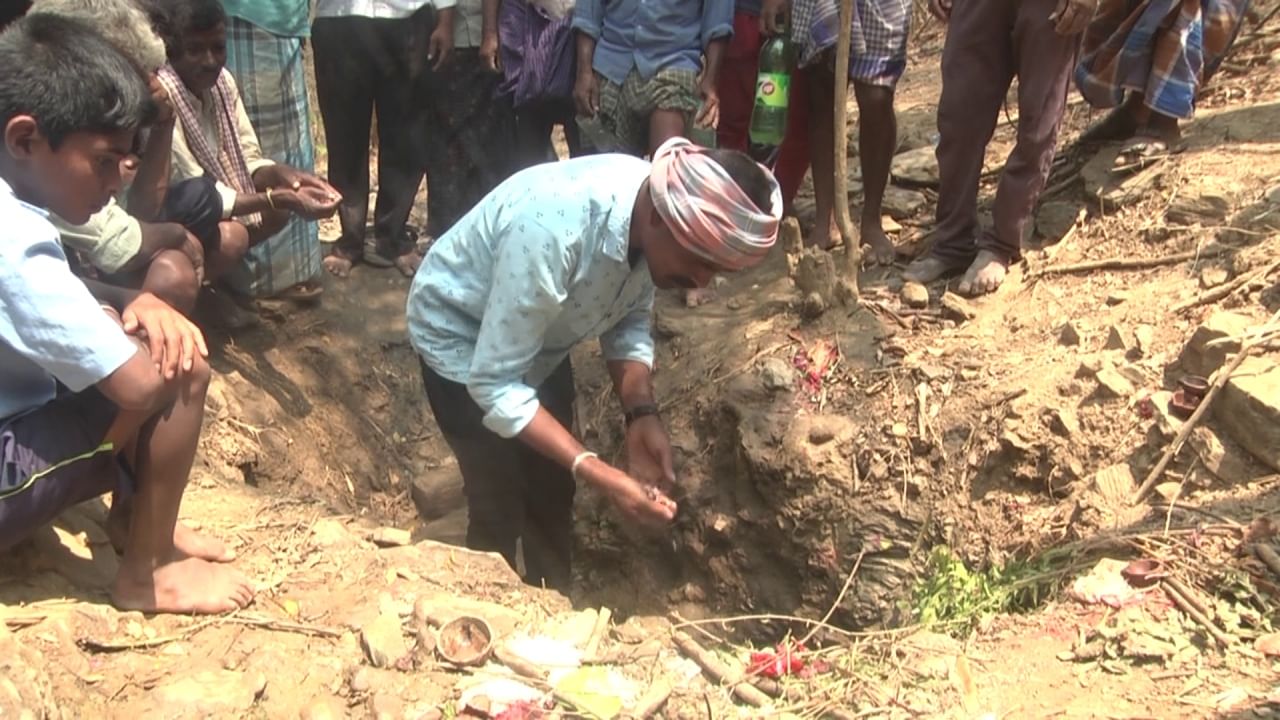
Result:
581,458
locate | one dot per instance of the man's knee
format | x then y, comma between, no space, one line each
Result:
233,239
172,278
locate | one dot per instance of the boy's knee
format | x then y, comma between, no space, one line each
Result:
233,239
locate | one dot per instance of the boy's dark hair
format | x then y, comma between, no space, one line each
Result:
69,78
747,173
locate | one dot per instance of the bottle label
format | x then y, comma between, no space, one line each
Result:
771,89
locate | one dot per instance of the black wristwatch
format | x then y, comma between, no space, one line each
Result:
638,412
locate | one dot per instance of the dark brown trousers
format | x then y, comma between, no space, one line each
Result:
990,42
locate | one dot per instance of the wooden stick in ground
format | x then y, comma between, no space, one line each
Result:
1132,263
1230,288
598,632
717,670
1220,380
653,700
852,242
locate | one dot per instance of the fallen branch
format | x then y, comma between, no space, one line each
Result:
1186,605
1268,557
106,646
717,671
1219,381
1131,263
1228,289
652,701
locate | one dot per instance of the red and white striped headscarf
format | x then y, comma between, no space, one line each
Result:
707,211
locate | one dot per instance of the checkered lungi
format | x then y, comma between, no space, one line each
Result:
625,109
269,72
1164,49
878,40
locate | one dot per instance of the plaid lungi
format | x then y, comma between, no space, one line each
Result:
1164,49
622,125
269,71
878,39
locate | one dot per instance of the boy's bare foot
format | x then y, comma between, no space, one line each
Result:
984,275
190,585
186,541
930,268
823,237
339,262
882,250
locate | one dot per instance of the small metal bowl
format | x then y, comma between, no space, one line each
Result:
465,640
1194,386
1144,573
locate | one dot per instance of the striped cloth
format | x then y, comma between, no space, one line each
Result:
537,53
878,40
225,163
706,210
1164,49
269,70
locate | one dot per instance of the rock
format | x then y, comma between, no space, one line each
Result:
790,236
1068,334
360,681
1090,365
1143,337
1116,297
213,693
390,537
383,641
1273,195
1213,276
322,709
1055,219
901,204
384,706
889,225
1117,340
1226,462
1113,384
915,295
25,689
1204,209
1169,491
957,308
776,375
815,273
1064,421
1199,359
1117,190
329,532
917,167
812,306
1268,644
1249,409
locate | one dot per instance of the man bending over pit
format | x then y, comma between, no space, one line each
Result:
101,389
558,254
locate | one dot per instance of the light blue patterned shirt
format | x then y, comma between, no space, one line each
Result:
537,267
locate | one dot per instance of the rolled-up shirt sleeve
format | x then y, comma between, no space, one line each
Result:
530,282
631,338
717,20
588,17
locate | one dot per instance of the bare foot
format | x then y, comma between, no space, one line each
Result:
882,250
408,263
823,237
187,542
930,268
339,263
1119,124
984,275
191,585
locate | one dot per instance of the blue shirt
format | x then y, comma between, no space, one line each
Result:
538,266
50,326
651,35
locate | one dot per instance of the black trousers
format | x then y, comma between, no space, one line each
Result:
195,205
534,123
513,492
363,64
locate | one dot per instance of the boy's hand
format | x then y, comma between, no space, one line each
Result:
164,106
172,339
440,46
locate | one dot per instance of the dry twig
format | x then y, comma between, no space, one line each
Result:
105,646
1228,289
1128,263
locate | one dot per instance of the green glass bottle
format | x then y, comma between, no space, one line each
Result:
773,84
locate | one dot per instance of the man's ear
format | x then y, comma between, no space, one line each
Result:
21,135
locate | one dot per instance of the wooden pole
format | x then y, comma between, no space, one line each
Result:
852,242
